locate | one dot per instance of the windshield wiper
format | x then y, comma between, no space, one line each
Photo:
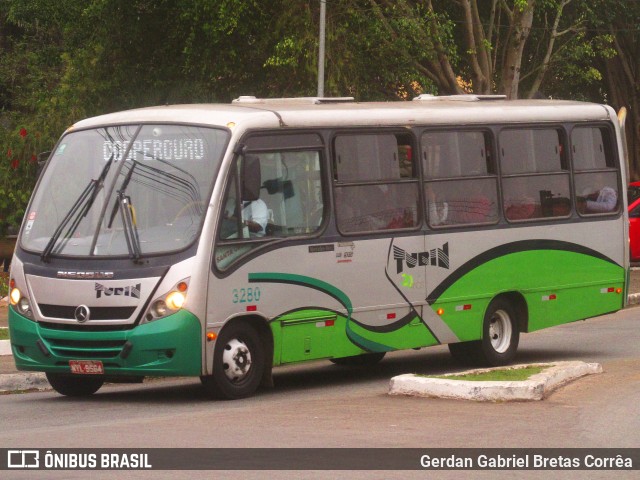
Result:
123,188
77,212
129,225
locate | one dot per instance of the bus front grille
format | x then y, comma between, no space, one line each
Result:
97,313
85,348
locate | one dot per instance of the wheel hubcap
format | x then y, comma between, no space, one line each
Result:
500,331
236,360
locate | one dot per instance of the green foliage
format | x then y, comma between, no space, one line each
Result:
18,168
67,59
496,375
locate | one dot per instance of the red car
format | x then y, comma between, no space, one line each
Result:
633,196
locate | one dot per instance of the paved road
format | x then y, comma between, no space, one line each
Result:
322,405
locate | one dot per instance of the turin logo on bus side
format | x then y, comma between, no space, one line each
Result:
128,291
436,257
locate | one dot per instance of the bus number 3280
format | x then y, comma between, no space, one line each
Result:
246,295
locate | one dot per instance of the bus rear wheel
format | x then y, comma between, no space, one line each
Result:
500,338
238,363
74,385
500,335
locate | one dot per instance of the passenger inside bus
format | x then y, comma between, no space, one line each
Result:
599,200
438,210
518,205
255,216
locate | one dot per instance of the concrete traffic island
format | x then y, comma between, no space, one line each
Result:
23,381
536,387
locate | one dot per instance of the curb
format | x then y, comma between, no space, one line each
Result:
23,381
633,299
537,387
5,347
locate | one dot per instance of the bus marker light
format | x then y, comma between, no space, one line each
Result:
211,336
618,290
607,290
391,316
326,323
252,308
460,308
440,311
546,298
182,287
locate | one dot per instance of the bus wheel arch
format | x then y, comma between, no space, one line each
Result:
242,359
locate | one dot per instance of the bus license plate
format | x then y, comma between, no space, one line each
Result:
86,367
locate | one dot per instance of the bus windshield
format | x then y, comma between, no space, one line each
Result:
124,191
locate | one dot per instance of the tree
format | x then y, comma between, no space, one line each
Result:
622,69
482,46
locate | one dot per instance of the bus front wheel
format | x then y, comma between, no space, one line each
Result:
74,385
238,363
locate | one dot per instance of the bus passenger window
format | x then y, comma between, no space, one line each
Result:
596,178
376,182
535,181
461,186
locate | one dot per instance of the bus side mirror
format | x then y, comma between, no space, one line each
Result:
251,178
277,185
42,160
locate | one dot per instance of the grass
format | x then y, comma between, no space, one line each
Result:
500,375
4,334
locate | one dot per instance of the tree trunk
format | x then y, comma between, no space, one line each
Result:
521,21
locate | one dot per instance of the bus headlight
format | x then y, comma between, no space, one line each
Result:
19,301
24,307
159,308
169,303
175,300
15,296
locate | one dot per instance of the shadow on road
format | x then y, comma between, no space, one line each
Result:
315,376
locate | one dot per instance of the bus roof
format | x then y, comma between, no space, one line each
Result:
250,112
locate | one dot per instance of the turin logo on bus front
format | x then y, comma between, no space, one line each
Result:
128,291
438,257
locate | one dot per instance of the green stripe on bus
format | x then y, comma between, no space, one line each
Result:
304,281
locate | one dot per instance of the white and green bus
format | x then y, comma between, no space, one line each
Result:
220,241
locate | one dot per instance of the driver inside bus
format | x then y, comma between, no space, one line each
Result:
255,216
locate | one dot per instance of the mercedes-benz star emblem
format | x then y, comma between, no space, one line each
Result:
82,313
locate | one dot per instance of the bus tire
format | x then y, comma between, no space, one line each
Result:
238,363
364,360
500,334
74,385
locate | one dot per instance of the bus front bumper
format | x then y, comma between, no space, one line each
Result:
170,346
